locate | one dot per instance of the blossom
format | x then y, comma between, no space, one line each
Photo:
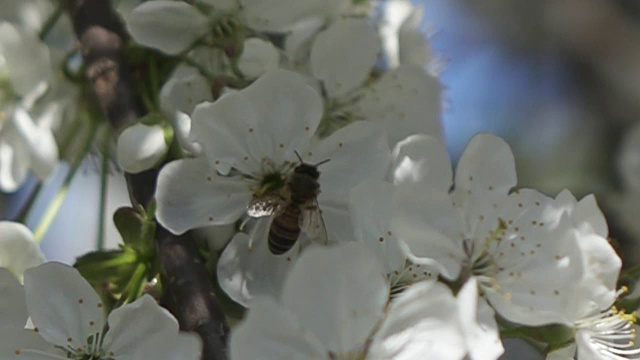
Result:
68,318
523,247
414,160
18,249
252,137
333,306
25,144
140,147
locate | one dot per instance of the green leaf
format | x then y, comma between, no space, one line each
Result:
137,230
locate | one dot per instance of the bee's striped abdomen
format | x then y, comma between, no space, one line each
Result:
285,230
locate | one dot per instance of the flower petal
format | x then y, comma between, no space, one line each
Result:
27,58
487,164
183,93
429,228
478,323
26,344
140,147
343,55
39,141
422,323
209,199
257,58
371,217
143,328
18,249
405,101
272,118
270,332
169,26
62,304
247,268
338,293
13,308
357,152
422,158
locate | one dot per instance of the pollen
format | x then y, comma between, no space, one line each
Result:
100,305
251,130
18,352
381,239
80,301
69,339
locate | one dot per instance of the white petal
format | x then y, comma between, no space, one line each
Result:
405,101
18,249
141,147
222,5
487,164
298,43
182,127
142,328
272,118
338,293
422,158
25,344
183,93
13,308
27,58
269,332
169,26
343,55
280,15
247,268
371,217
62,304
357,152
393,15
209,199
478,324
429,228
43,151
257,58
540,260
413,45
422,323
14,161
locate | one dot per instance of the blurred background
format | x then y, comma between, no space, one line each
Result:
558,79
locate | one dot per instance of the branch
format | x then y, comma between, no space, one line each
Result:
189,293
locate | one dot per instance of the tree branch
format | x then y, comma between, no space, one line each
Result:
189,293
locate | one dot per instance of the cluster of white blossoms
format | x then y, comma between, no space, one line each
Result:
305,136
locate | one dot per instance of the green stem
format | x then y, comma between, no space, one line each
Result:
134,287
104,181
51,21
54,206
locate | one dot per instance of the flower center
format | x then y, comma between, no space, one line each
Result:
612,333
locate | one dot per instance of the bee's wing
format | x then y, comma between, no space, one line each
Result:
264,206
312,223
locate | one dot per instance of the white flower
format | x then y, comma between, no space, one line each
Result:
523,247
403,40
173,27
333,302
25,145
68,318
428,322
141,147
18,249
252,135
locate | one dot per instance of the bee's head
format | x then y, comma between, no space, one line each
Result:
308,169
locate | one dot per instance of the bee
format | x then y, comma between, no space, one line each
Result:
294,207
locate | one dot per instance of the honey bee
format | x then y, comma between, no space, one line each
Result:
294,207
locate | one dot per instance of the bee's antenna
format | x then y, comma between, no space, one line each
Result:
299,157
322,162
